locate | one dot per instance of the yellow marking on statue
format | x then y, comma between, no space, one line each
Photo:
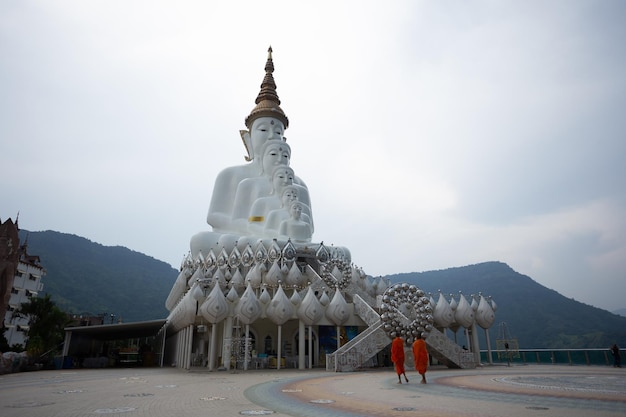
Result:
256,218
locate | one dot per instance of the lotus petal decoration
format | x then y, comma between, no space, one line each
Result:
215,307
220,278
254,276
337,310
324,299
310,310
295,298
464,314
197,275
484,314
234,260
443,313
197,292
289,252
248,308
322,254
247,257
273,255
280,309
237,280
210,260
232,295
222,259
260,253
273,276
294,276
265,297
178,289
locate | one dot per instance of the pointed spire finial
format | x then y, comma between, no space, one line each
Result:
267,102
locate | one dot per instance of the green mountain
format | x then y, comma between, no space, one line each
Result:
86,277
536,316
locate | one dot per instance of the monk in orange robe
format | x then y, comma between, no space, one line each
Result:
420,355
397,357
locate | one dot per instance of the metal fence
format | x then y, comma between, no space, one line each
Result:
551,356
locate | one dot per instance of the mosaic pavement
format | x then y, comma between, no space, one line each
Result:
534,390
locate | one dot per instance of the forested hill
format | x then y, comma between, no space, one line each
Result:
86,277
535,315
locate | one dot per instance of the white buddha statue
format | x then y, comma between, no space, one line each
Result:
228,212
267,213
266,122
263,130
252,189
294,227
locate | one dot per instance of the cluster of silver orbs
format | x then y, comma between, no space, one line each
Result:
404,301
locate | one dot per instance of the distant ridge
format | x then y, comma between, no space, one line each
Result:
87,277
537,316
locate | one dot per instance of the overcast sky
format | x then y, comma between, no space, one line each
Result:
431,134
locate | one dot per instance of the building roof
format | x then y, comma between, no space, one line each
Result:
119,331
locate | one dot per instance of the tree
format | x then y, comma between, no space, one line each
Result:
47,323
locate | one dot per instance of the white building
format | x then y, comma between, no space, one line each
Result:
26,285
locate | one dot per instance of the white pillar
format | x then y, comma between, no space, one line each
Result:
310,347
279,348
227,340
178,344
212,347
301,347
475,345
246,351
189,345
489,358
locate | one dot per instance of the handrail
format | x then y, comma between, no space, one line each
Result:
588,356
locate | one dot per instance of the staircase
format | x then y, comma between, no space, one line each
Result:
355,354
447,352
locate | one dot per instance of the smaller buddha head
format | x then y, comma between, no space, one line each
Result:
282,176
295,210
289,195
275,153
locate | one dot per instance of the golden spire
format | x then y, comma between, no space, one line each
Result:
267,102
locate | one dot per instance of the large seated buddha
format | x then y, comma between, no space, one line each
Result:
255,201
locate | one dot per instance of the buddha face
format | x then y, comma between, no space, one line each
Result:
290,194
296,210
264,129
283,176
275,153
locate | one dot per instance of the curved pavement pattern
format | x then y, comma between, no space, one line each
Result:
534,390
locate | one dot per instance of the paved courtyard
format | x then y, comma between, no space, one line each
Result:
532,390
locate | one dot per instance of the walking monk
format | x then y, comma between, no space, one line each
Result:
397,357
420,356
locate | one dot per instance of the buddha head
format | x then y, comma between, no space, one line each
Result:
266,121
274,153
295,210
282,176
290,194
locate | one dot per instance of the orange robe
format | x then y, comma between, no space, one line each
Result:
420,355
397,354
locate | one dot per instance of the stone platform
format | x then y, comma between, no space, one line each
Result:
532,390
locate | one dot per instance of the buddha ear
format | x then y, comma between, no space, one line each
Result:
247,142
